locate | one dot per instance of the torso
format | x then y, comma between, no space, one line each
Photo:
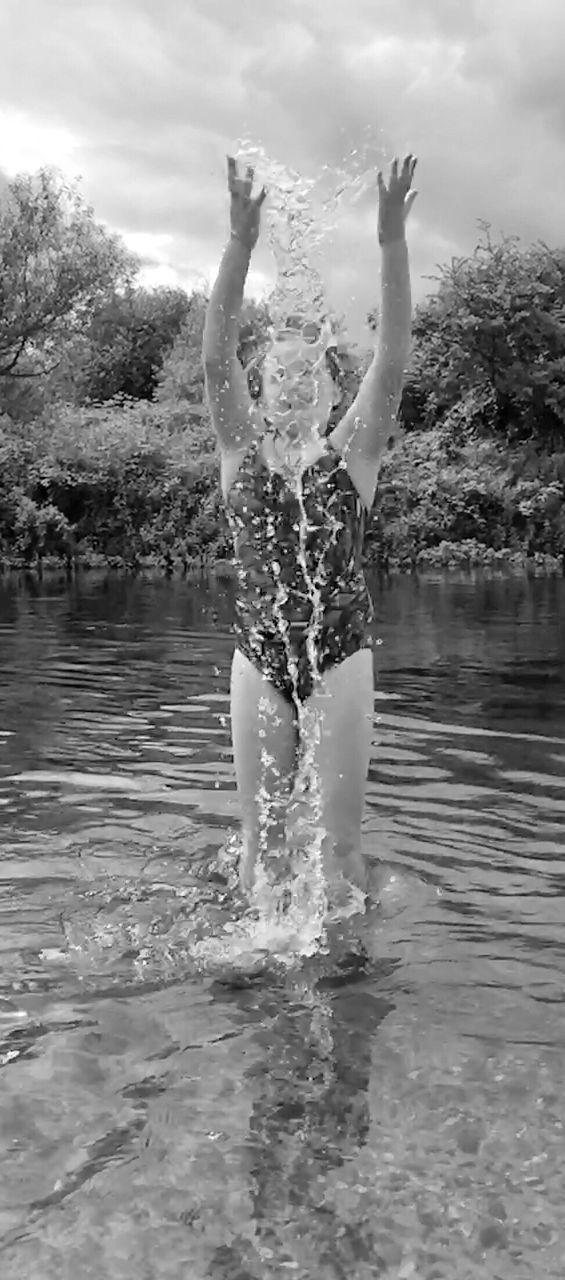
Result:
298,542
232,460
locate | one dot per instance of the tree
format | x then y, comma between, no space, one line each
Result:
489,345
181,376
180,382
56,263
122,350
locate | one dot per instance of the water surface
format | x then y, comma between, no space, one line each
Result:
320,1122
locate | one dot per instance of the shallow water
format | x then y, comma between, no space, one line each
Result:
319,1122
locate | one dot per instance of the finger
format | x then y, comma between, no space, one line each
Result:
413,166
380,182
405,173
409,201
394,169
408,166
233,182
261,197
249,176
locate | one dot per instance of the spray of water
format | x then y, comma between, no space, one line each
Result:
288,916
299,214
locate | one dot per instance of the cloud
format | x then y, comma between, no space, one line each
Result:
145,100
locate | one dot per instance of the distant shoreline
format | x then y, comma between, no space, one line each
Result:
449,562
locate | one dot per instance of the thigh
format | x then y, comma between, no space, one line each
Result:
265,740
338,735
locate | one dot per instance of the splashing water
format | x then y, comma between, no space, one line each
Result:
288,913
292,236
299,213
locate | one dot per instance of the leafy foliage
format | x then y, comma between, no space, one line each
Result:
117,483
436,496
56,263
121,353
106,446
489,346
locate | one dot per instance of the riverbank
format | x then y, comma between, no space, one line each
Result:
135,491
455,561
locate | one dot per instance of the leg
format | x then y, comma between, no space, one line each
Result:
265,743
338,731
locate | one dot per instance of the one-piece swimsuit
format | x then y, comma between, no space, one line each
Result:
303,604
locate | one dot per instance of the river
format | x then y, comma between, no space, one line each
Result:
407,1121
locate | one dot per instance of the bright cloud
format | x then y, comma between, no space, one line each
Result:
144,100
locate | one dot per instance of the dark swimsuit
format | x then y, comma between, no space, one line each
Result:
303,603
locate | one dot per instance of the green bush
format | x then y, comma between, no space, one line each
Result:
118,483
489,346
128,484
435,496
107,452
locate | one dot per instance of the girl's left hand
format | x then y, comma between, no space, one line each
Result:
396,200
245,209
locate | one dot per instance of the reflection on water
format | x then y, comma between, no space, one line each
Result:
404,1119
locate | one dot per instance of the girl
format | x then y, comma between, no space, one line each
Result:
296,494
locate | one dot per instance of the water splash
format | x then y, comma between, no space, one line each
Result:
292,234
299,213
298,901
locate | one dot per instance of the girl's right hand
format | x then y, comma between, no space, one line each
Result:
245,209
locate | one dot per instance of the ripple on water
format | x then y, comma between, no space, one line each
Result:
318,1117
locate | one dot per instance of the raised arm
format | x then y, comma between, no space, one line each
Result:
226,385
363,434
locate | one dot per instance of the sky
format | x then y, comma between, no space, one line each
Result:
142,99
